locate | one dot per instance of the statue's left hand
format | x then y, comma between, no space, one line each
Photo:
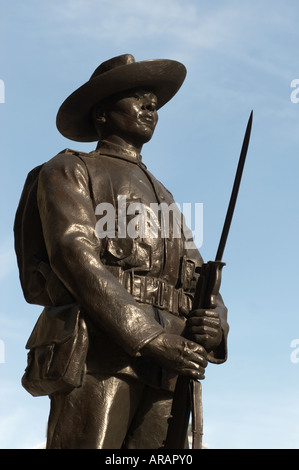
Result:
204,328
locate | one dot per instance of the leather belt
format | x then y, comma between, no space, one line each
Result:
153,291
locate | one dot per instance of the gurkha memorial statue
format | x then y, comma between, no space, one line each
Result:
131,315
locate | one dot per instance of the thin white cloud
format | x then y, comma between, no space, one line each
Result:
8,425
42,445
7,258
121,21
235,30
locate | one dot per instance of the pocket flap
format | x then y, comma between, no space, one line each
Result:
54,325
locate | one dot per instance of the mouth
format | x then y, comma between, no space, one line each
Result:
149,120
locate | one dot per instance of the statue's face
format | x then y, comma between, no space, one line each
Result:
133,116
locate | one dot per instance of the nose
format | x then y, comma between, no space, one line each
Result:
149,104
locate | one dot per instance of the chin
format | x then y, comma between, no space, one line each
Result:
143,137
146,134
147,138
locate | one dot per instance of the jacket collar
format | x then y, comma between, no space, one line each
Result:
114,150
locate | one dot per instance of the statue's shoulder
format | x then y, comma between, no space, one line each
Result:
67,161
66,157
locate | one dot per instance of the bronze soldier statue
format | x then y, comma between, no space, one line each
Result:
117,328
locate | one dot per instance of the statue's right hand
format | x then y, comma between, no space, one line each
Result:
177,354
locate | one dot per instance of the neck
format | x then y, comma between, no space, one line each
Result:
114,145
125,144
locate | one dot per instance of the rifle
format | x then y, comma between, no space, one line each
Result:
188,395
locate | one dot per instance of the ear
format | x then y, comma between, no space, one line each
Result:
99,114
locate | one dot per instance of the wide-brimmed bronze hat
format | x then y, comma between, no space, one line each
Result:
163,77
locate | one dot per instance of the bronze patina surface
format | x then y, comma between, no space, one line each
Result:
118,326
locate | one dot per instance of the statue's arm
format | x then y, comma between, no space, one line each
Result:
68,222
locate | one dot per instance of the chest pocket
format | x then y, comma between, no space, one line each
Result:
132,251
129,254
126,252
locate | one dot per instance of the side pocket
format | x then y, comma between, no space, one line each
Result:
57,351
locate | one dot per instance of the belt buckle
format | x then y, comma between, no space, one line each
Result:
161,292
158,299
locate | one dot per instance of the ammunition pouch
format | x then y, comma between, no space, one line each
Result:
57,351
154,291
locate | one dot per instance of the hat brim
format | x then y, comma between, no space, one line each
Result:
161,76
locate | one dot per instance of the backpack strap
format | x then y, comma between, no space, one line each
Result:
39,284
29,243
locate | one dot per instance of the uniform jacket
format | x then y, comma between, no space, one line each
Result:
106,276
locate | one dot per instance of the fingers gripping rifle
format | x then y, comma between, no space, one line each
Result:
187,396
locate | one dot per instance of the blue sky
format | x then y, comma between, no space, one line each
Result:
239,56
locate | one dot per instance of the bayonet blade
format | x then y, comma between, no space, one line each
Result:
235,190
